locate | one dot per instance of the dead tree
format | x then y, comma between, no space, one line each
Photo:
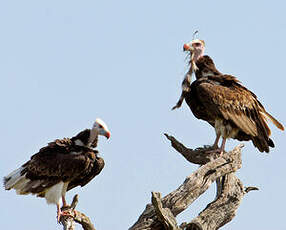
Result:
161,213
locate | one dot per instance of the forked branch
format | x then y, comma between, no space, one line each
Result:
162,212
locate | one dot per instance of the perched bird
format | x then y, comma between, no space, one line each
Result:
60,166
222,101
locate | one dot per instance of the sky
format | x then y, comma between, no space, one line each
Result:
65,63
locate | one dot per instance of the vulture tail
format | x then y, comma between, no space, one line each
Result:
261,144
15,180
272,119
271,143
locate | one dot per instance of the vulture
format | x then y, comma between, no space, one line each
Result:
60,166
222,101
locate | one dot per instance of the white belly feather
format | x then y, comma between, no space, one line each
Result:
225,129
54,193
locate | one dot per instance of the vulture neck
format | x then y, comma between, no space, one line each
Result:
196,55
92,136
205,67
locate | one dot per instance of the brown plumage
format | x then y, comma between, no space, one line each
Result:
60,166
223,102
61,160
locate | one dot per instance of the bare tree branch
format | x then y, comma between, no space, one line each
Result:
199,156
194,185
161,215
223,209
72,216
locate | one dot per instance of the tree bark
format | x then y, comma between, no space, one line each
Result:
72,216
162,212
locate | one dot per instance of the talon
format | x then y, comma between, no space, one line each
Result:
64,213
67,213
217,150
59,213
75,212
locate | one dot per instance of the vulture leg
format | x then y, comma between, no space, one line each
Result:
222,146
216,141
64,201
59,212
215,148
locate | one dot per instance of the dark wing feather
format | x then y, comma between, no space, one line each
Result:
95,167
226,98
197,107
59,161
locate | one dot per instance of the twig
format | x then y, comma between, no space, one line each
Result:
248,189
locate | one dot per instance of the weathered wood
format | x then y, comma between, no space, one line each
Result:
164,214
199,181
223,209
198,156
194,185
72,216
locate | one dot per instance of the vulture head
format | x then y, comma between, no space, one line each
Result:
99,128
196,48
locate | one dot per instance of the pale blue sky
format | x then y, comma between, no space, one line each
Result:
64,63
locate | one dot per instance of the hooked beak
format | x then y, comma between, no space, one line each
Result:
107,135
188,47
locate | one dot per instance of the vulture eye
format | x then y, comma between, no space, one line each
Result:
197,44
100,126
